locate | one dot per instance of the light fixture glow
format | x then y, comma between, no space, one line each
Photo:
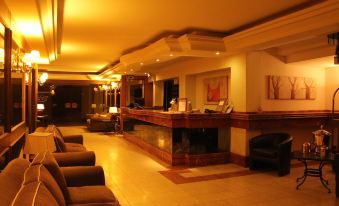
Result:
171,55
158,60
113,110
217,53
40,107
2,55
141,63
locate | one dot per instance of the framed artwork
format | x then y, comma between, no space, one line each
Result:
182,104
74,105
215,89
291,88
67,105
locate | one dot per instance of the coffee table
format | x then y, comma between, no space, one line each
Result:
313,172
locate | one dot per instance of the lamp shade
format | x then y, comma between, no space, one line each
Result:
93,106
113,110
40,107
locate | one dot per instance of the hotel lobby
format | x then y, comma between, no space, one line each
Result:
169,103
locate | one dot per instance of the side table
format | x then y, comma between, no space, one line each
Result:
313,172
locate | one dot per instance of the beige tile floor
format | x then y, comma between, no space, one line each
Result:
134,178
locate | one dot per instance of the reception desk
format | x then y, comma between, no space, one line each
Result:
191,139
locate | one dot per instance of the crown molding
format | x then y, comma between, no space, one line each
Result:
319,19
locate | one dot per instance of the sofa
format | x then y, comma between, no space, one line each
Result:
105,122
43,182
63,143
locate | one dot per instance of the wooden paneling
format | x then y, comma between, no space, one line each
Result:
7,80
279,119
180,120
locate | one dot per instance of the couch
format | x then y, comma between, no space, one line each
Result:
105,122
43,182
273,149
63,143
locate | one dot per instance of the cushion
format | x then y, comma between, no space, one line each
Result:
265,152
91,194
35,194
11,179
74,147
38,173
47,159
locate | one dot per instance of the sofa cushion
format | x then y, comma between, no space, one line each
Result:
35,194
74,147
38,173
11,179
91,194
47,159
265,152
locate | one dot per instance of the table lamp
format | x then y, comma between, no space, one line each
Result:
40,107
113,110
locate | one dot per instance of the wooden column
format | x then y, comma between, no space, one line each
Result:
148,93
33,100
123,91
7,81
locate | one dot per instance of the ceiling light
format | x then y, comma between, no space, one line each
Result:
158,60
125,72
131,70
217,53
171,55
141,63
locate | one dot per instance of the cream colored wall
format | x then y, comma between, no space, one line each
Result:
261,64
196,66
158,93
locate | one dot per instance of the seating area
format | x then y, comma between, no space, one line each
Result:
43,180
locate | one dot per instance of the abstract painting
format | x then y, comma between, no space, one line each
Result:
215,88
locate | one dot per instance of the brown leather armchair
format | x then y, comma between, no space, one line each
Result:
273,149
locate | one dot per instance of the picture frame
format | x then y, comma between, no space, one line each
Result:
215,89
182,104
221,105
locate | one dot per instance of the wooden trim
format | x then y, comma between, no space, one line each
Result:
8,112
76,73
73,82
123,91
34,101
279,119
239,159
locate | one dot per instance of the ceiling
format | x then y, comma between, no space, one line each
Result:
97,33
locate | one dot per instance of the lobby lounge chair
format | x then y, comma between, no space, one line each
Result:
273,149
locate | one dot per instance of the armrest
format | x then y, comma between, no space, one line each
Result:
83,176
74,139
66,159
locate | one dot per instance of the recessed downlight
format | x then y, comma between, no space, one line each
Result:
141,63
217,53
171,55
158,60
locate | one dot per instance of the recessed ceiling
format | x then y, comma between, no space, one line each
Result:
97,33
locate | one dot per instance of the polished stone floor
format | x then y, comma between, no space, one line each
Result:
138,179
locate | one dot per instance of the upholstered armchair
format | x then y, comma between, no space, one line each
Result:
273,149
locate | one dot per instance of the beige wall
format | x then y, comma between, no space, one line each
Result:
187,68
261,64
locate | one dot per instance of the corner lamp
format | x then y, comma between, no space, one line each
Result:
43,78
113,110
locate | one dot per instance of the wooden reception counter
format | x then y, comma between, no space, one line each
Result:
179,138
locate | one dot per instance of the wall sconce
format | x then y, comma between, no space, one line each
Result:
43,78
52,90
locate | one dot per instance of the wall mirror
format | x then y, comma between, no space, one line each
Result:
17,84
2,89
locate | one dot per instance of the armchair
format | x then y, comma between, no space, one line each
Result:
273,149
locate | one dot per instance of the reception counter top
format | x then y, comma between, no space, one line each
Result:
180,119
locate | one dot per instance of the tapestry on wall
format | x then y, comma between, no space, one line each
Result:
215,88
289,87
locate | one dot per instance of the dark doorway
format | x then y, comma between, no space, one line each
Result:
66,104
171,91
